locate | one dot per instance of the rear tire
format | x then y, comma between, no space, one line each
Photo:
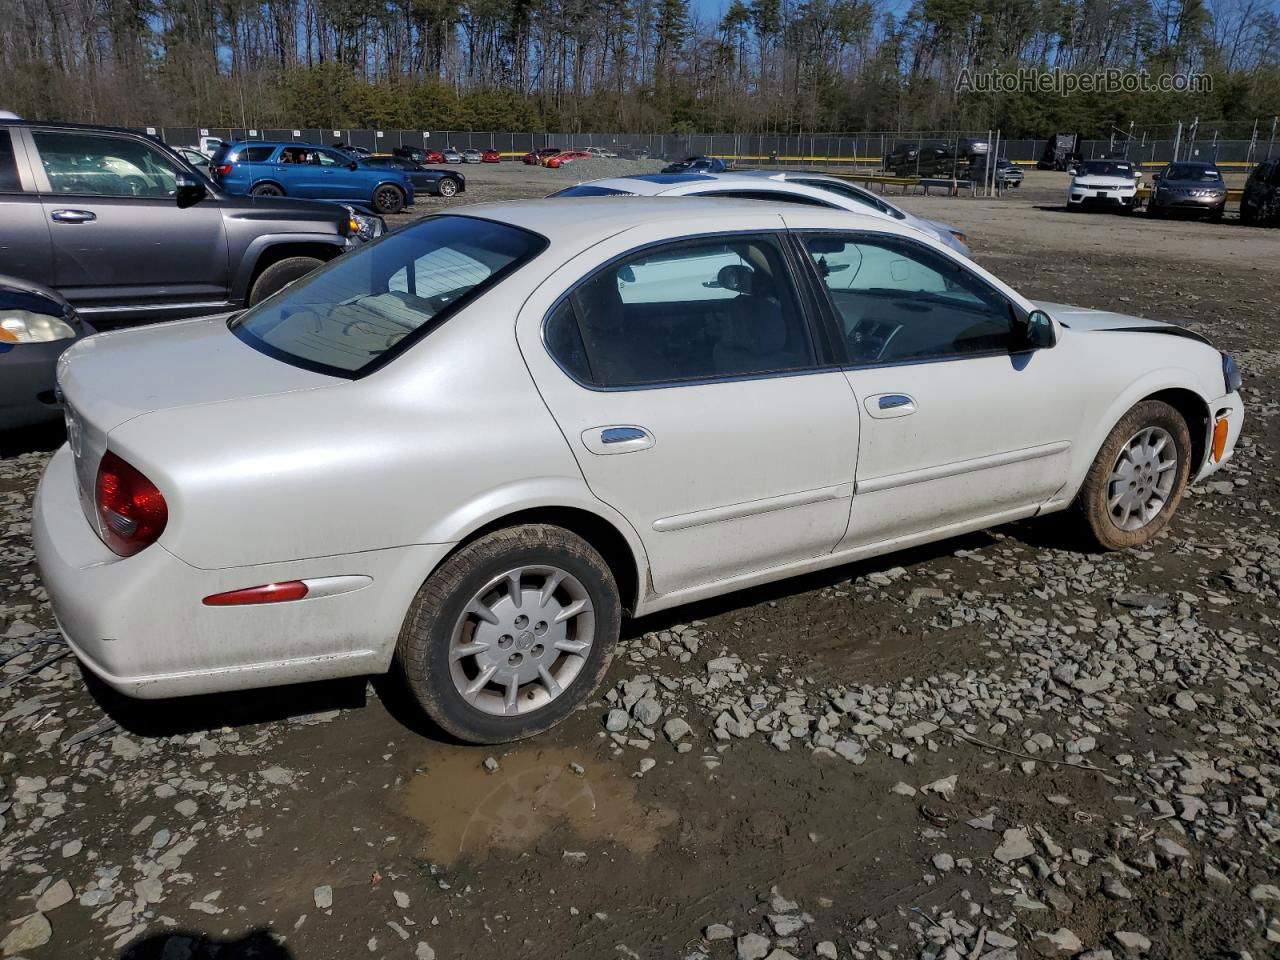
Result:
279,275
388,199
267,190
1137,479
518,669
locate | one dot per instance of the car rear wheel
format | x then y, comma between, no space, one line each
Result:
267,190
1137,479
510,634
279,275
448,187
388,199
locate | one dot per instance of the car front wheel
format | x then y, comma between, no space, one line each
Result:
1137,479
448,187
510,634
279,275
388,200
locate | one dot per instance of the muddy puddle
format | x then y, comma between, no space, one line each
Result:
468,811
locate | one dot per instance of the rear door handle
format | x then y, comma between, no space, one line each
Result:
73,216
616,439
886,406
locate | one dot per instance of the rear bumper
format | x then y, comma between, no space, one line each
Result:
139,624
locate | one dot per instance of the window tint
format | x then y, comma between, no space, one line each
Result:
8,166
777,196
898,302
687,311
564,341
368,306
94,165
255,154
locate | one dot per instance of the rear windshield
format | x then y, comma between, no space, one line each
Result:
367,307
1182,171
586,190
1107,168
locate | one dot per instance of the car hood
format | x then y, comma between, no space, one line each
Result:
113,377
294,208
1084,319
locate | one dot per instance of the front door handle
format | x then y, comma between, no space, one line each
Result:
886,406
73,216
616,439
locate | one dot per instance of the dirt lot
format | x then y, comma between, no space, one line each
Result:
997,747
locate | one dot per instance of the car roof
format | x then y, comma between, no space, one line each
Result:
579,220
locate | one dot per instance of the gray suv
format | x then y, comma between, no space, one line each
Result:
128,231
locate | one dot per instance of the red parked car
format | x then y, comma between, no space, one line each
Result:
491,156
433,156
541,157
560,159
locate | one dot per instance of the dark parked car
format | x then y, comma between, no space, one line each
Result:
441,183
540,157
416,154
1195,188
925,158
1261,201
697,165
305,170
1007,173
968,149
126,230
36,325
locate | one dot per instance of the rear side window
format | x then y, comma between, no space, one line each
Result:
586,190
254,154
777,196
700,310
366,308
8,166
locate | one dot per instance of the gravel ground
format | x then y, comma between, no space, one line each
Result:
988,749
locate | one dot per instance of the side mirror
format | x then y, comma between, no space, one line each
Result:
353,165
1034,333
188,192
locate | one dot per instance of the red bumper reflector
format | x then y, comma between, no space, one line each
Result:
267,593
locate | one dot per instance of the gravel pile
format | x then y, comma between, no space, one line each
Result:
580,170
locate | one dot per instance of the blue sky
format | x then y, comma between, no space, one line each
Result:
713,10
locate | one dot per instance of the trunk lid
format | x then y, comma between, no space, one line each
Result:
108,379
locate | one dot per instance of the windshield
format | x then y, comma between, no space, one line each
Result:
367,307
1106,168
1182,171
586,190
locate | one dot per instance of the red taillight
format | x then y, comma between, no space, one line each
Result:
132,511
222,169
267,593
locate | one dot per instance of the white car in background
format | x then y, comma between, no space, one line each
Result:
795,188
1112,184
471,447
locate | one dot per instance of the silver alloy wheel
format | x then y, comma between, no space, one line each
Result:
522,640
447,187
1142,478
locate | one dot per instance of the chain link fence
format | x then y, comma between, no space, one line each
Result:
1156,145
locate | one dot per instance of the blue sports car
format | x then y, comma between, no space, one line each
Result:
305,170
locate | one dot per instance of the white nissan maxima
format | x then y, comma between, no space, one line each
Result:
471,446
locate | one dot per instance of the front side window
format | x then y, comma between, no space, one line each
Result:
693,310
326,158
900,303
93,165
367,307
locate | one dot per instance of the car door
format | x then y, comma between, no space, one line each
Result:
24,232
119,238
335,180
958,421
687,380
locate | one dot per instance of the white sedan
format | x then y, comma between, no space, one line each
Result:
802,189
471,447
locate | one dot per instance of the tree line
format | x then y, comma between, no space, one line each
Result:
647,66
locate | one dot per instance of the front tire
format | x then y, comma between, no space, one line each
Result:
448,187
388,199
510,634
279,275
1138,477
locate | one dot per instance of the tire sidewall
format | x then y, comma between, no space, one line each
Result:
425,641
1148,413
